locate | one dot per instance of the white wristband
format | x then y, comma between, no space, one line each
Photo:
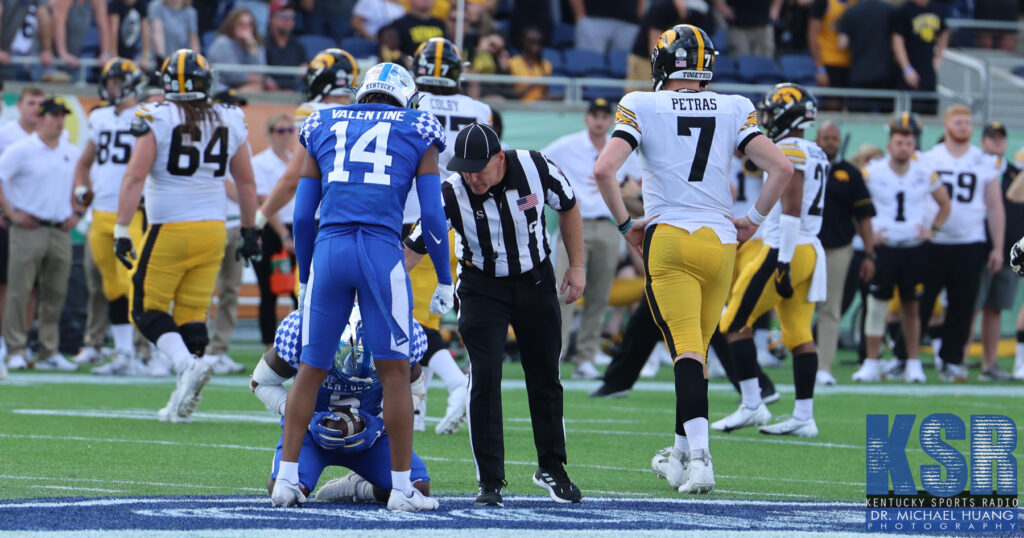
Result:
261,219
756,217
120,230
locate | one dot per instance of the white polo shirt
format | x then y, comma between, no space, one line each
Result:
575,154
10,133
37,179
268,167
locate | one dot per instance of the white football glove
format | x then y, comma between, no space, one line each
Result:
443,299
1017,257
419,391
286,494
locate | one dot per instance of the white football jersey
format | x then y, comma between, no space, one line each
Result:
808,158
900,202
187,179
965,178
454,112
111,133
686,141
747,178
307,108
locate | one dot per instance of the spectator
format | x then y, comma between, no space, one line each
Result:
791,28
175,26
211,13
369,16
870,47
475,24
71,22
996,10
750,25
602,26
527,13
831,62
131,30
441,9
238,43
919,35
24,29
417,26
529,63
661,14
491,58
28,118
331,18
37,174
282,46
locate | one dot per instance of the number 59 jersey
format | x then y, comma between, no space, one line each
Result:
686,141
187,179
368,155
965,178
110,133
808,158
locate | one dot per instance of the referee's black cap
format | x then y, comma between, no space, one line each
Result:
474,147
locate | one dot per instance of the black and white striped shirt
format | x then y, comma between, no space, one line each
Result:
503,232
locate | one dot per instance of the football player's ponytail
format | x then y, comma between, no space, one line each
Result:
196,113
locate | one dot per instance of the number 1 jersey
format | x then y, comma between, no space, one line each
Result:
111,133
368,156
686,141
187,179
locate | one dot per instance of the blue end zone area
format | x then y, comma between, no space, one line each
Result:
523,513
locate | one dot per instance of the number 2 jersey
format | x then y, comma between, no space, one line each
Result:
900,202
686,141
808,158
965,178
111,133
186,182
368,155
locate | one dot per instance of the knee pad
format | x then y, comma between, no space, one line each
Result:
154,323
118,311
874,317
196,337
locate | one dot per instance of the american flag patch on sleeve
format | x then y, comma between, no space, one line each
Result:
528,201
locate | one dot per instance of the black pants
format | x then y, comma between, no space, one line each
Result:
957,268
530,304
638,340
271,244
851,288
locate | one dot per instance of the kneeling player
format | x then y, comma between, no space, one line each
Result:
351,394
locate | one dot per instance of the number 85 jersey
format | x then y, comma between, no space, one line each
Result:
686,141
186,182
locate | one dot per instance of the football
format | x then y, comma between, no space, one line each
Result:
349,421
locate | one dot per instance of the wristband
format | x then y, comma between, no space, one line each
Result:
755,216
820,70
935,229
625,226
261,219
120,230
908,69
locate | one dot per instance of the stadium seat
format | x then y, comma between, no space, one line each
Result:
797,68
503,27
757,69
316,43
563,36
581,63
725,70
555,57
206,39
617,60
593,92
1019,71
720,37
357,46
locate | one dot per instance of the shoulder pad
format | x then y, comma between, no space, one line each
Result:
139,126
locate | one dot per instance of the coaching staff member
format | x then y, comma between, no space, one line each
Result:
496,206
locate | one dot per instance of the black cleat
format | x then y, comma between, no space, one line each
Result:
606,392
561,489
490,493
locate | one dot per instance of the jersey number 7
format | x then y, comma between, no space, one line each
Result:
706,126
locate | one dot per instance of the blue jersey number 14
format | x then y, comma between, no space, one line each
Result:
379,158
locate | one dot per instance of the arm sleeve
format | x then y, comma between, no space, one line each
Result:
558,192
863,207
432,222
307,199
627,123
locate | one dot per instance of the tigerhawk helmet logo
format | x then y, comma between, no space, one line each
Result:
787,95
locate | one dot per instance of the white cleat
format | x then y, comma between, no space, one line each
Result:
742,418
586,370
824,378
700,474
87,355
3,370
191,382
1018,369
286,494
342,489
230,366
214,361
455,415
792,426
602,359
651,367
767,360
417,502
869,372
913,372
670,464
56,362
17,362
119,365
954,373
169,412
160,366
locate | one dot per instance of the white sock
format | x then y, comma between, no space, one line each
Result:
124,336
936,346
289,472
761,340
803,409
682,444
446,368
909,361
697,433
172,345
400,481
751,391
870,361
1020,351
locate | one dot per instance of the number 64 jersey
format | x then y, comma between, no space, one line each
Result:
686,141
186,182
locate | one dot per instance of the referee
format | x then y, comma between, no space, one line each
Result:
496,207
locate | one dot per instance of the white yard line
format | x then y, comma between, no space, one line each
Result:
76,488
125,482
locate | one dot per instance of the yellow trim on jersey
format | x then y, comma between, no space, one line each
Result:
625,117
750,122
144,114
862,202
794,154
438,51
700,47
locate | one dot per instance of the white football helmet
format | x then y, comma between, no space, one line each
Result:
390,79
353,359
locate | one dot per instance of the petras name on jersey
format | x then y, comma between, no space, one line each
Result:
699,104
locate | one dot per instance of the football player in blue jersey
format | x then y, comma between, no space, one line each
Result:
360,162
351,388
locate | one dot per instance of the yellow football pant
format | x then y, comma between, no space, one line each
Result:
113,273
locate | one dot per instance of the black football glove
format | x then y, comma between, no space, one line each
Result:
249,246
782,283
1017,258
123,248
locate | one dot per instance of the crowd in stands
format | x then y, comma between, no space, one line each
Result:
835,43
